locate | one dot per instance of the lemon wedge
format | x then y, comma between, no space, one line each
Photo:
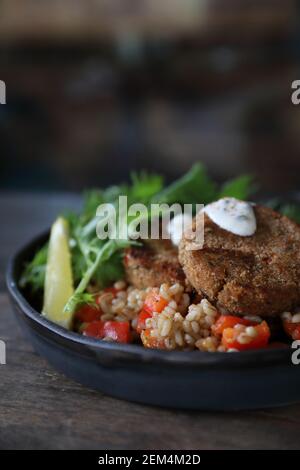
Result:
58,280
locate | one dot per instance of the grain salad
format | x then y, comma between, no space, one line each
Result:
170,317
175,322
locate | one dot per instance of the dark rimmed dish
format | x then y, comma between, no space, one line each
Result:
191,380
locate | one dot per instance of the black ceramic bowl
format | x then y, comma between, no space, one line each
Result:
192,380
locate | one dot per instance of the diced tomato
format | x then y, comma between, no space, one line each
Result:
117,331
151,342
141,321
229,321
88,313
154,302
292,329
230,337
94,329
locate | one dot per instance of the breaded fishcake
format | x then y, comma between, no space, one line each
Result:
153,264
255,275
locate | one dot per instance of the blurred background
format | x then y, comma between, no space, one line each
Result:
98,88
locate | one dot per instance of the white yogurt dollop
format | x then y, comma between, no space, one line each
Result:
177,227
235,216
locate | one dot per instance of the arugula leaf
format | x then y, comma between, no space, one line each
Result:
92,199
104,254
240,188
82,298
142,189
34,272
194,187
145,187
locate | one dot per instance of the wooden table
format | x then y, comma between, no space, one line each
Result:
42,409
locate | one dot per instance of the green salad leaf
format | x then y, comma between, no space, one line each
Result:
292,211
240,188
193,187
289,209
144,187
34,272
104,254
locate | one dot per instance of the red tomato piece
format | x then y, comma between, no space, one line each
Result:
141,322
230,338
88,313
94,329
229,321
117,331
292,329
154,302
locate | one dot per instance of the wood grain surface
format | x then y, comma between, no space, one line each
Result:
41,409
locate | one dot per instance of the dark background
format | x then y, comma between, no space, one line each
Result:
96,89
